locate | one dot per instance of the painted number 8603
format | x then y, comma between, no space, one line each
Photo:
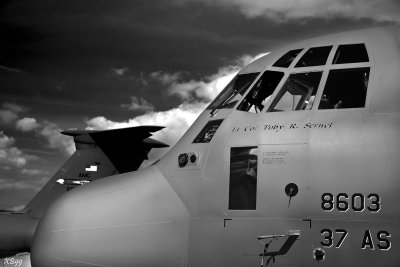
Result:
357,202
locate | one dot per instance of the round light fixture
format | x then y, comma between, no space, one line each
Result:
183,160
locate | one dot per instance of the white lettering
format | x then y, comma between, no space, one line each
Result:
13,262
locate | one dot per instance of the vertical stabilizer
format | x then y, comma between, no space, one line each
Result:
82,167
99,154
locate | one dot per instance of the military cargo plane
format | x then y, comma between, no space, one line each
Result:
295,163
98,154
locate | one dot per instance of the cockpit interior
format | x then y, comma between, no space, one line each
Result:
325,77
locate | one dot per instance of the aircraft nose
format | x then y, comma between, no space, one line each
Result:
132,219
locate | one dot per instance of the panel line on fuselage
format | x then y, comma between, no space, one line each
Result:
113,226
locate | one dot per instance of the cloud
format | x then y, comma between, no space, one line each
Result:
10,155
247,59
5,141
196,93
9,112
13,156
207,88
14,107
27,124
138,104
32,184
142,80
33,172
9,184
9,69
120,71
176,121
291,10
166,78
52,133
7,116
49,131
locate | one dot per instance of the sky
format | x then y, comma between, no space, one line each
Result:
99,64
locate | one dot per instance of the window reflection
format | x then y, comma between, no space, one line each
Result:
261,91
233,91
345,88
352,53
315,56
243,178
298,92
287,59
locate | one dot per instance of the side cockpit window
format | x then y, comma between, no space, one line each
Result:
208,132
233,91
315,56
243,178
351,53
287,59
345,88
298,92
261,92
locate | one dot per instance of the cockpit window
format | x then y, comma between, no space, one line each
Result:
233,91
352,53
243,178
261,92
298,92
287,59
315,56
345,88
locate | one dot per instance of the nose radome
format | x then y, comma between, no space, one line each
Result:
132,219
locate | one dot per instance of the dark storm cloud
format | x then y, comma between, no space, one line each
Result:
294,10
88,37
104,32
69,47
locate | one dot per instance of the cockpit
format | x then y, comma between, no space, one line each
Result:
329,77
324,77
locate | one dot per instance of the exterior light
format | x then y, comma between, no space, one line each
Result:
183,160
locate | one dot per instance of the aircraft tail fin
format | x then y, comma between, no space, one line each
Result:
126,148
98,154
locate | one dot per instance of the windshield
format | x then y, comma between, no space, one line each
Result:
233,91
298,92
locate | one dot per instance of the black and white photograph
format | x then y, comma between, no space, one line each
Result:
193,133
